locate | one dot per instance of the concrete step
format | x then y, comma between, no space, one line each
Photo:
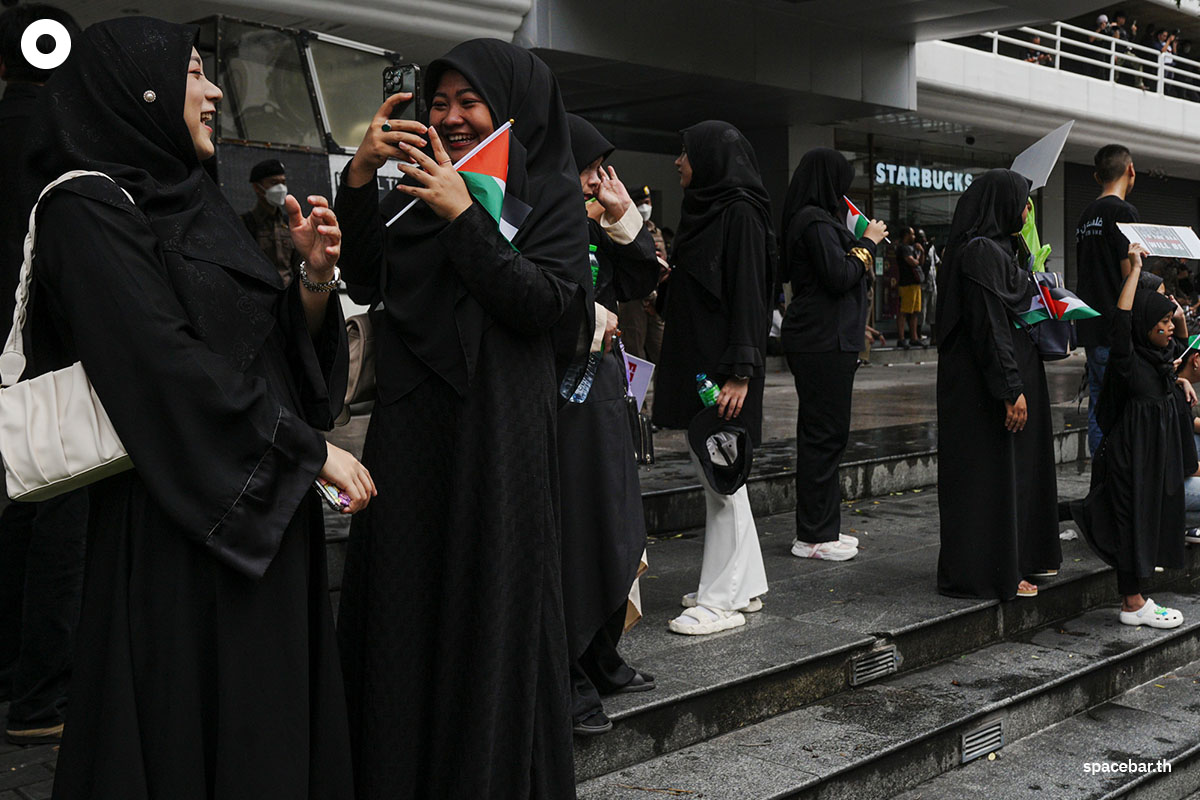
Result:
887,737
891,356
877,462
815,626
1149,731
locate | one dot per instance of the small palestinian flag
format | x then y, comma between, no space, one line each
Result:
486,180
1055,302
856,221
1193,346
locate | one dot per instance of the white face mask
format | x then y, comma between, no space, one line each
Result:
645,210
276,194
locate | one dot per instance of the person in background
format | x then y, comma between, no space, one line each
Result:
1034,55
823,329
929,287
267,221
1189,371
1102,258
1134,515
641,326
41,544
998,514
910,275
603,530
717,305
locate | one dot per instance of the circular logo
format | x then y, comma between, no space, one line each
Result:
62,44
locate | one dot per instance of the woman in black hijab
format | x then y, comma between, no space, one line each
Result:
206,662
717,315
451,618
830,271
603,529
997,489
1135,510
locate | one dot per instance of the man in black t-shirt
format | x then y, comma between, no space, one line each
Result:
1102,256
909,277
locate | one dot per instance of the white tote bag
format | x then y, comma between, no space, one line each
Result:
54,434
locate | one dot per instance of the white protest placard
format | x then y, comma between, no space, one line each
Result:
1172,241
640,372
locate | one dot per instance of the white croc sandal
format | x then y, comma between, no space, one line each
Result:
703,620
755,604
1154,615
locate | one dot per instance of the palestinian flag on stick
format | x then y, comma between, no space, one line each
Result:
486,180
856,221
1054,302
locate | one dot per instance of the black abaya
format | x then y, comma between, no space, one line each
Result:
195,678
206,663
1133,515
997,491
603,528
451,618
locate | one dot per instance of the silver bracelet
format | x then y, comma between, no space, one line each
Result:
325,286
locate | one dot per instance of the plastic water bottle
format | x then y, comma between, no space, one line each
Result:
707,389
581,374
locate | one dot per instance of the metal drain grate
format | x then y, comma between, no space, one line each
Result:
987,738
873,665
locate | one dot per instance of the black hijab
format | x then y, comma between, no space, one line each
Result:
586,142
990,209
818,185
1148,308
429,306
724,171
95,115
116,106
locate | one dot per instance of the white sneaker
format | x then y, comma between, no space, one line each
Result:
702,620
755,604
829,551
1154,615
846,538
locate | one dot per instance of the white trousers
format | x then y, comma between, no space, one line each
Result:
733,570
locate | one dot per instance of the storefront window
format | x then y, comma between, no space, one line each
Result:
909,182
351,84
266,95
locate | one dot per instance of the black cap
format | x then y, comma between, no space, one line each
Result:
265,169
641,195
723,448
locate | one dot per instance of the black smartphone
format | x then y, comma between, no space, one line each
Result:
403,78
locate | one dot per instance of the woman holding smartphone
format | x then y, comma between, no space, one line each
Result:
206,663
451,619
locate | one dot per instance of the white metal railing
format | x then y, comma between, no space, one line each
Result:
1109,57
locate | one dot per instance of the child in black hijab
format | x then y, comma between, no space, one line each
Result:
830,271
206,663
717,315
1134,513
997,488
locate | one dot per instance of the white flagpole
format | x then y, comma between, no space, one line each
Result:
457,166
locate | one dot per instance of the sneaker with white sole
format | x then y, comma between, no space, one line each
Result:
827,551
702,620
846,538
1192,536
755,604
1154,615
